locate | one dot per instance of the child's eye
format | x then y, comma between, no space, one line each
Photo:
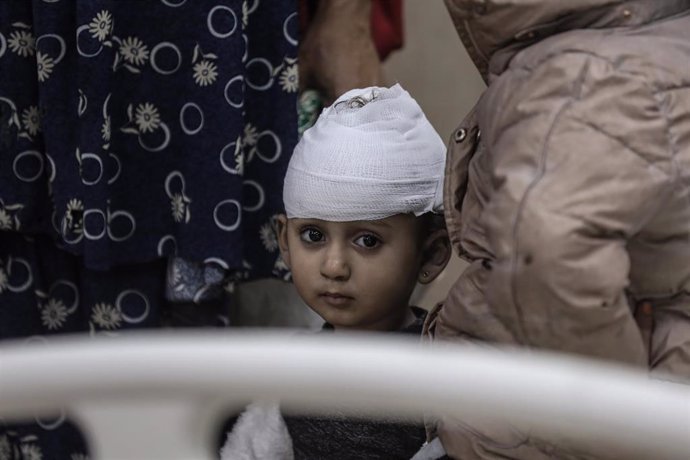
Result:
367,241
311,235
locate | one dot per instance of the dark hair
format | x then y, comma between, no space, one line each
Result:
430,222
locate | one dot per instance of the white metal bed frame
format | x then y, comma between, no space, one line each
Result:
160,395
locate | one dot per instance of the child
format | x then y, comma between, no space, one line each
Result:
362,196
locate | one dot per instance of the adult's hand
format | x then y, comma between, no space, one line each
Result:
337,53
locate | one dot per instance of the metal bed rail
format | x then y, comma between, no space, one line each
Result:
161,395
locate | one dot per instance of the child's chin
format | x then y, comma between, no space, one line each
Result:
342,322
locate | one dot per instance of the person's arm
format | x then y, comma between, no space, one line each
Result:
337,52
571,184
574,184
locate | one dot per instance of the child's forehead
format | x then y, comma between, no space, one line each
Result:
395,222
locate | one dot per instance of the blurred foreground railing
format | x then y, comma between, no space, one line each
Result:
160,396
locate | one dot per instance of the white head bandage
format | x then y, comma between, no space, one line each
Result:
367,162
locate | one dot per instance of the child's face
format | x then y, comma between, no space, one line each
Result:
355,275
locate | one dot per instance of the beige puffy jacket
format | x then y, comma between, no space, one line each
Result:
568,191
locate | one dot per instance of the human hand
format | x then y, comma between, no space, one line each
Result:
337,53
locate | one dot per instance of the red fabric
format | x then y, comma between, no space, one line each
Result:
386,23
387,26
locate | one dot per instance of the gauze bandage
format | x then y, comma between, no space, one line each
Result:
370,155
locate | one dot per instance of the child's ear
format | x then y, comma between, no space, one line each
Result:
281,230
435,255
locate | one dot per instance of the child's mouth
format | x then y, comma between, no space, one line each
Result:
335,298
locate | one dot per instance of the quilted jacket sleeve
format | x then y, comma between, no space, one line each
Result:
574,162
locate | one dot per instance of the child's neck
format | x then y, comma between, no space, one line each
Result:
390,324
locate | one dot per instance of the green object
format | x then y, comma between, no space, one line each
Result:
308,108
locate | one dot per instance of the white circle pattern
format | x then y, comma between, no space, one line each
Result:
3,44
81,52
61,42
276,142
128,218
211,28
262,196
186,129
72,287
290,39
107,221
118,170
105,105
217,260
231,147
94,157
53,170
239,104
20,287
154,52
28,154
129,318
83,104
269,68
234,225
90,235
163,241
162,145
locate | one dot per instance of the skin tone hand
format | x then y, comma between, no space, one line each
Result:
337,53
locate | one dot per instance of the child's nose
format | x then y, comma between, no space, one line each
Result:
334,265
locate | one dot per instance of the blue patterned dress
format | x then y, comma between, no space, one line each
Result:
132,132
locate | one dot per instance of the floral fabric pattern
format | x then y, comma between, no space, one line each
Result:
132,133
172,128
